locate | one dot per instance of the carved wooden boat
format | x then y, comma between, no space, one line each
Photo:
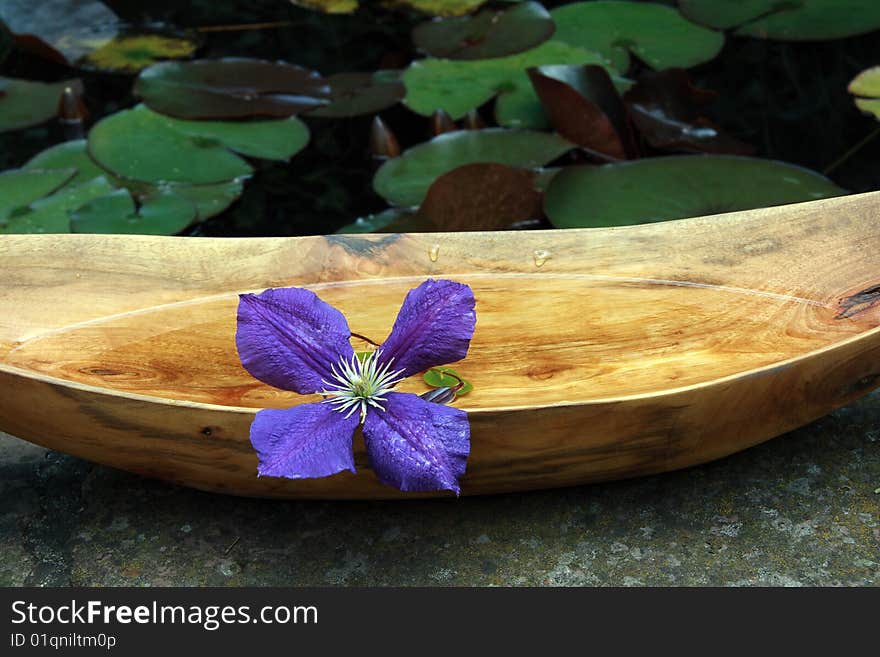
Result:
599,354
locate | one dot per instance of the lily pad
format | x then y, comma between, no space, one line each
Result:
392,220
63,30
434,7
209,200
68,155
441,7
133,52
405,180
481,196
801,20
656,34
51,213
20,188
661,188
355,94
459,86
5,42
585,108
329,6
230,88
141,145
275,139
490,33
24,103
867,84
163,214
138,144
668,111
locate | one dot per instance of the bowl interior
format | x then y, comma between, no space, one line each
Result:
540,339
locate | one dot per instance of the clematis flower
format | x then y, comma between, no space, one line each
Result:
291,339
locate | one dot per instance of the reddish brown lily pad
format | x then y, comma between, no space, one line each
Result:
490,33
231,88
668,111
355,94
5,42
584,107
61,30
481,196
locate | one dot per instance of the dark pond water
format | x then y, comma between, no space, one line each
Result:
787,99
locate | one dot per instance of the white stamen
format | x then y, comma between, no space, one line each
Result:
360,383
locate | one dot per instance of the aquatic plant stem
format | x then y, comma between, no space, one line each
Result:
852,151
244,26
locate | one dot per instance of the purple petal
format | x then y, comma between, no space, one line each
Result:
311,440
434,327
289,338
416,445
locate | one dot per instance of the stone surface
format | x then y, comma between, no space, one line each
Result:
803,509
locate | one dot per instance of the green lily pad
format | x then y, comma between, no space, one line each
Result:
656,34
68,155
138,144
490,33
230,88
867,84
446,377
801,20
392,220
19,188
141,145
24,103
662,188
51,213
405,180
459,86
274,139
115,213
209,200
355,94
543,177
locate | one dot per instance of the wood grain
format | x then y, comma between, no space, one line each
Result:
598,354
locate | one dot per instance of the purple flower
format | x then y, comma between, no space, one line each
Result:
291,339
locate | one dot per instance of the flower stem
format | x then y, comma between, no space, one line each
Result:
365,339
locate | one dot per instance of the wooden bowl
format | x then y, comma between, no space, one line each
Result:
599,354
